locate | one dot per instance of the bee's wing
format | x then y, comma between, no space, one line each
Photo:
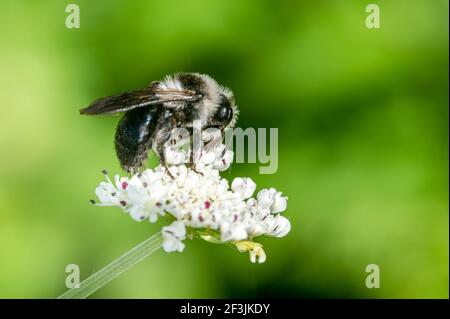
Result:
138,98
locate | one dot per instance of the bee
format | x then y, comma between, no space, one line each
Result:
153,112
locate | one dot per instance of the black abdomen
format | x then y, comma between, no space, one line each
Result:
134,137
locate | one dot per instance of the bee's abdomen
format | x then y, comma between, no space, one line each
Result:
134,137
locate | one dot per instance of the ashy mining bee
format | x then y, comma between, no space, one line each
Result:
152,113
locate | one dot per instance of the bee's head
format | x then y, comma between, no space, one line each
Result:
217,106
225,115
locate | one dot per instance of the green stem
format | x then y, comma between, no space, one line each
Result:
115,268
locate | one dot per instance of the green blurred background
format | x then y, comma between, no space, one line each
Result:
363,144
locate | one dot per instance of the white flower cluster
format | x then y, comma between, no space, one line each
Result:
200,201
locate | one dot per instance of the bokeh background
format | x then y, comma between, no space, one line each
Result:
363,144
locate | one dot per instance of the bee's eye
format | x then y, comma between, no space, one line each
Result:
224,114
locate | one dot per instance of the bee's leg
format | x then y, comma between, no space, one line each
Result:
192,161
222,134
190,164
196,146
161,138
191,154
215,135
160,149
162,135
